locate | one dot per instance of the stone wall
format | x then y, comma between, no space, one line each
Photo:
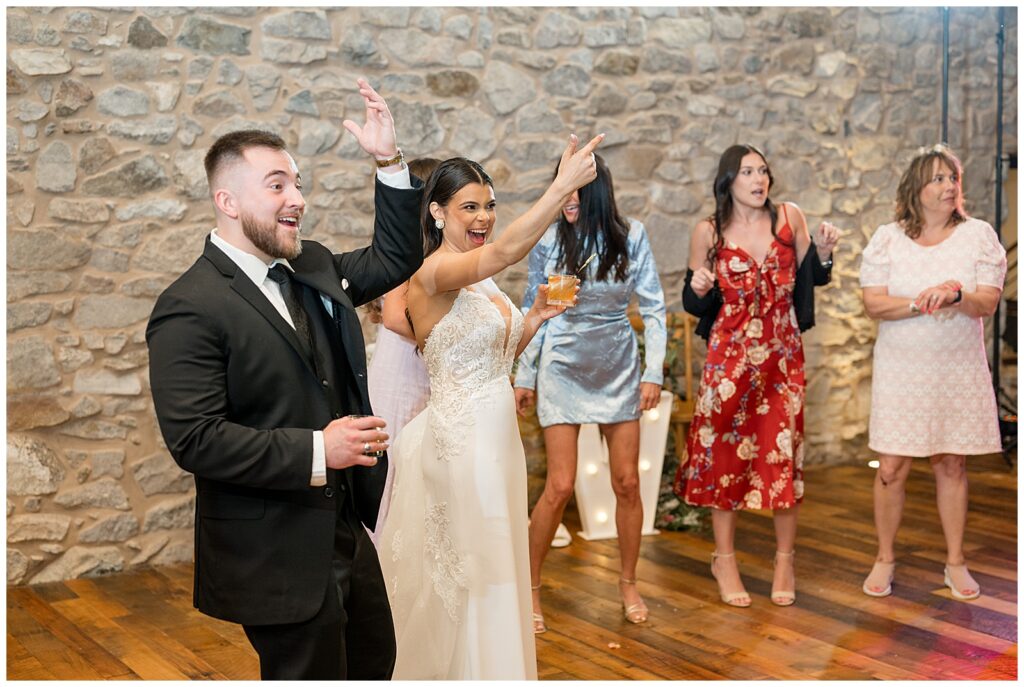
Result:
110,111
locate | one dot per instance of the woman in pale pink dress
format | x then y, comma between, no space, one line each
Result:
398,385
396,377
930,278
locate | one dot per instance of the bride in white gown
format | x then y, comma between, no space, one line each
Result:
454,547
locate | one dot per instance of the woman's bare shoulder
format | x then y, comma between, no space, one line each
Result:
704,232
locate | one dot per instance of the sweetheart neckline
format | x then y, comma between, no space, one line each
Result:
771,246
506,325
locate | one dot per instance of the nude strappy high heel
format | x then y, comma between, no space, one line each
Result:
636,613
539,627
783,597
737,599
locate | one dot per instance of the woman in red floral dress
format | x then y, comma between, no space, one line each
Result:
746,444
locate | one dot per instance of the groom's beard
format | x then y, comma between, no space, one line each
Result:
269,238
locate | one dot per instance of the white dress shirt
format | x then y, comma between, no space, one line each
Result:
257,270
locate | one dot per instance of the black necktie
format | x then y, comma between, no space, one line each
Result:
293,300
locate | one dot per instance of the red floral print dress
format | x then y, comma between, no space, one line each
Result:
746,443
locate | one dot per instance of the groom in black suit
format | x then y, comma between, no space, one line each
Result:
256,362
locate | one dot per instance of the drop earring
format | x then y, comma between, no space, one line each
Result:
439,223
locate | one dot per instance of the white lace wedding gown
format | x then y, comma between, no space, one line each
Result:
454,548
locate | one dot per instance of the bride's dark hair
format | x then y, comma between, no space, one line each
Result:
447,180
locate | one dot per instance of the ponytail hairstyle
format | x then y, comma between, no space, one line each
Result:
446,180
598,217
728,170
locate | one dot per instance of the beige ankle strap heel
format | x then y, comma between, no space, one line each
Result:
636,613
737,599
539,627
783,597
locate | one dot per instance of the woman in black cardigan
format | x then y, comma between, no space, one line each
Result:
753,267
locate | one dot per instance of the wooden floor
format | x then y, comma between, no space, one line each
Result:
142,625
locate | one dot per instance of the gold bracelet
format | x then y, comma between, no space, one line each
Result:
391,160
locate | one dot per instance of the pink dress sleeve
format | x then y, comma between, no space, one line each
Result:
990,268
874,266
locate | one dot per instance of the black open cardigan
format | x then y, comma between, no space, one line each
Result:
811,273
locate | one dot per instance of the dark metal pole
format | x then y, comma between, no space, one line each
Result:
998,217
945,75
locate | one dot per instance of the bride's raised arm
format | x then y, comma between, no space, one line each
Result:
447,271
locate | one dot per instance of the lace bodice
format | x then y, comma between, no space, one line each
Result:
466,355
467,347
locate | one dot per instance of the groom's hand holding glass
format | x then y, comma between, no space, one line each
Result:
355,440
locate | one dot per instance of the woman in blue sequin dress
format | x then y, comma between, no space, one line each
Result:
583,367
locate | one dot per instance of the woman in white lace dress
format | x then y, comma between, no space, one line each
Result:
454,548
930,277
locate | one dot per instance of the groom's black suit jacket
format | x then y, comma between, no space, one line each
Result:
237,401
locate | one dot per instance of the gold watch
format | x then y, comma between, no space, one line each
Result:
391,160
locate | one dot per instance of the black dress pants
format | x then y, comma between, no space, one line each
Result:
352,636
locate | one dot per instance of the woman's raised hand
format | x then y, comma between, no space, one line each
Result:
377,135
827,239
578,167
